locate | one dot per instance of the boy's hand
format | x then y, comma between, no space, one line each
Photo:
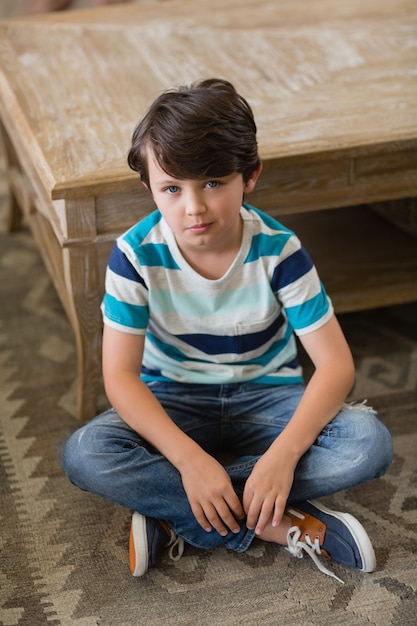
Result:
210,493
266,491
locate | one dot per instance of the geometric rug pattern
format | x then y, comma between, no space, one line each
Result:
63,553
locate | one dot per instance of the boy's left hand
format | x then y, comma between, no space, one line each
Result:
266,491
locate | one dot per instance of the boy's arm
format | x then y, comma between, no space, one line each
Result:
208,487
267,489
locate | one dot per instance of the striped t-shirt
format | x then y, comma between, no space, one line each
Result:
235,329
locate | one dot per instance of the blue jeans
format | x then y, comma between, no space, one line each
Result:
108,458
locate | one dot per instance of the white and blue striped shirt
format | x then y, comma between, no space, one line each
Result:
238,328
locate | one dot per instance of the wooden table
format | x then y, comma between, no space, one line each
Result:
334,90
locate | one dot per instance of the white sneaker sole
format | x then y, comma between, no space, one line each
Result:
360,535
138,545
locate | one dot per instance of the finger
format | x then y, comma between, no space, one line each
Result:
201,518
279,509
229,519
235,506
250,507
264,516
247,498
221,517
253,512
215,518
226,517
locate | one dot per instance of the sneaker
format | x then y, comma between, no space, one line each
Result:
318,530
147,538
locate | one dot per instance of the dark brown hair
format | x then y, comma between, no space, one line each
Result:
200,131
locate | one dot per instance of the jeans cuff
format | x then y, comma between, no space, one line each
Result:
241,541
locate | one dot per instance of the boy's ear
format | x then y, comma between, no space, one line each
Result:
252,180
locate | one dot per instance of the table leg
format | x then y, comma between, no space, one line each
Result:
13,221
83,308
74,271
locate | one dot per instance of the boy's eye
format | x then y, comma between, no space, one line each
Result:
212,183
172,189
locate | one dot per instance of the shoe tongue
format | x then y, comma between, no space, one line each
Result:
308,525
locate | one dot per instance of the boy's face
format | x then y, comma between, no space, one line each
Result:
204,214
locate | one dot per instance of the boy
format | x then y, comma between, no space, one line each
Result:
203,298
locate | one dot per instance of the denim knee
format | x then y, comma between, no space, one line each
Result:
385,444
71,458
354,448
82,459
371,436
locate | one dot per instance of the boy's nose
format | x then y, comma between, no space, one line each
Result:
195,205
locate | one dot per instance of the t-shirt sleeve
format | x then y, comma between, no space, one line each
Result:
125,302
300,290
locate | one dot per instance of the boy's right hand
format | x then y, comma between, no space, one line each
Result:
210,493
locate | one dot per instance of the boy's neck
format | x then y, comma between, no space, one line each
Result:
213,263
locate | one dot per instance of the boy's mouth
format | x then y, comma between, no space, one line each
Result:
200,228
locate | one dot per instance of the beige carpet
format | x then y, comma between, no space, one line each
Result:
64,553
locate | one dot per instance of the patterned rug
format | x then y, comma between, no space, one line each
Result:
63,559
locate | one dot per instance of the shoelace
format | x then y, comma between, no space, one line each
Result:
296,547
176,547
